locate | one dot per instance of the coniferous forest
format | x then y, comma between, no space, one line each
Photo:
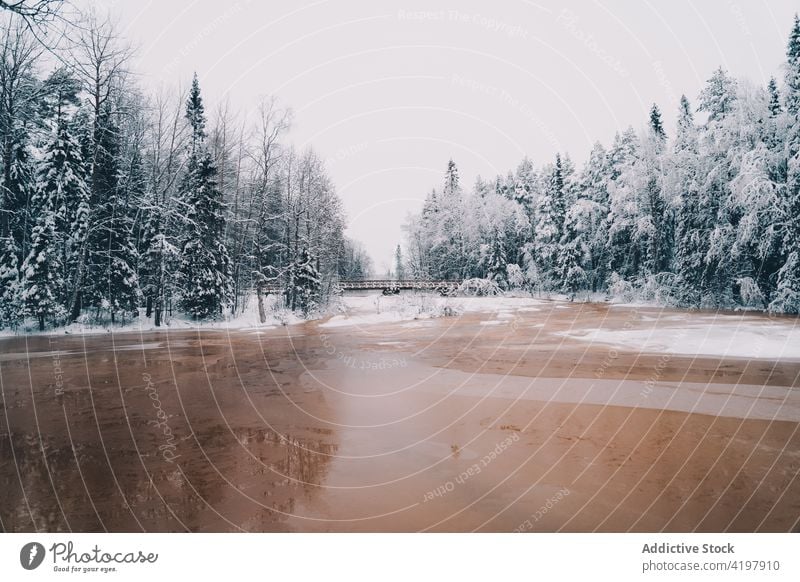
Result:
703,215
117,200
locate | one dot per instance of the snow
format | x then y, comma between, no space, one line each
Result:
674,332
377,309
727,336
345,320
247,320
498,304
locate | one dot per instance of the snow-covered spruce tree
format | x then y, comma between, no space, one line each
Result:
16,184
399,264
571,183
774,97
10,288
549,221
452,184
688,262
112,283
654,227
204,273
76,253
482,188
525,184
573,249
773,168
20,120
61,188
160,220
305,284
496,259
159,258
715,234
793,69
43,284
593,185
16,189
787,295
621,253
751,214
444,229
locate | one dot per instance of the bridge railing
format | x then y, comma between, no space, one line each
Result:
394,284
369,284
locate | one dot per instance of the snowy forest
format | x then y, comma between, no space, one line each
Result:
117,200
706,215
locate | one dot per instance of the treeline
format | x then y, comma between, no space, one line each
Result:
709,217
114,199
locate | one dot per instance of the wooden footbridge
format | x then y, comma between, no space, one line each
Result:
388,286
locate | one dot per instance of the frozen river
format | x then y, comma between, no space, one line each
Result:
512,415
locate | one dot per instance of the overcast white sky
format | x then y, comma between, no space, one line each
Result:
388,91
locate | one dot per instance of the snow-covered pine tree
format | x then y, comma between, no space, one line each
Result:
10,288
793,69
111,281
526,188
444,228
621,252
689,259
61,188
593,185
399,264
573,249
571,184
524,185
306,285
774,97
656,125
204,273
20,118
76,252
60,95
15,193
752,210
718,95
654,227
787,295
549,221
509,185
16,189
496,259
159,258
481,188
452,184
43,284
715,233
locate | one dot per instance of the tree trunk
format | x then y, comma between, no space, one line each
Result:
75,300
262,316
